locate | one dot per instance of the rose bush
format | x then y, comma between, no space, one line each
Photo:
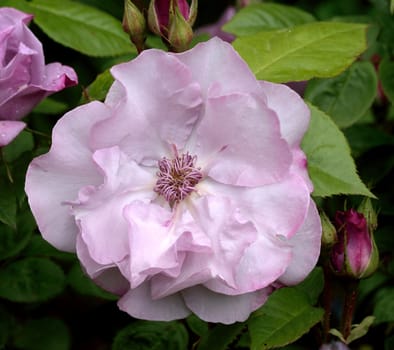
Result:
24,78
186,190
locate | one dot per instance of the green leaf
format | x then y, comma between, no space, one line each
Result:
85,286
37,246
359,330
384,306
266,16
389,341
81,27
345,98
386,76
31,280
370,284
284,318
7,202
6,326
21,5
338,334
330,164
144,335
50,106
197,326
22,143
313,285
99,88
221,336
319,49
362,138
13,240
42,334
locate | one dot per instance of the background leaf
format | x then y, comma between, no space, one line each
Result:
7,202
319,49
386,76
85,286
98,89
384,307
89,30
266,16
285,317
31,280
145,335
6,326
220,336
313,285
347,97
22,143
330,164
13,240
42,334
198,326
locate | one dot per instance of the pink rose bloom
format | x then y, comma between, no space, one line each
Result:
186,190
24,78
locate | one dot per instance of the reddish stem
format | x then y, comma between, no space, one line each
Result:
349,307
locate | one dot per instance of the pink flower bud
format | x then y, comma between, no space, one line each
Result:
173,20
134,24
355,255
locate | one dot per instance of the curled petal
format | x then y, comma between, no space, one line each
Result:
216,75
9,130
73,167
249,140
157,103
215,307
305,247
138,303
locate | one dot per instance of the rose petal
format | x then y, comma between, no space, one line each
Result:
249,141
9,130
100,210
158,243
305,247
106,276
139,303
72,167
215,307
214,64
276,209
294,116
157,106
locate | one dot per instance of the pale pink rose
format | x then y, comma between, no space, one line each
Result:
24,78
187,190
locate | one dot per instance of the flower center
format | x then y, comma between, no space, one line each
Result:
177,177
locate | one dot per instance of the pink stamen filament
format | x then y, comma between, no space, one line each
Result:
177,177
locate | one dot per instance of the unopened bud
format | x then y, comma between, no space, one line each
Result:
329,233
369,213
173,20
180,32
355,255
134,24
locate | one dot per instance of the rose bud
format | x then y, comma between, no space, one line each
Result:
173,21
355,255
134,24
